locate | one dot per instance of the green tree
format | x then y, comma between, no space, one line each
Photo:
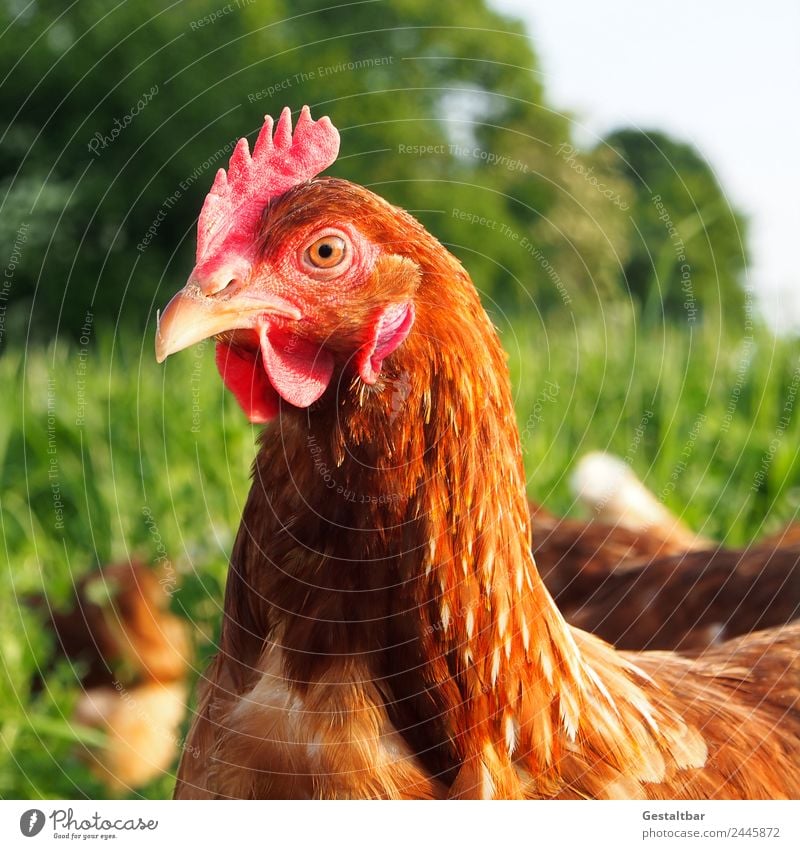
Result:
117,116
687,253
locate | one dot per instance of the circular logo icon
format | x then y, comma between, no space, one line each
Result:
31,822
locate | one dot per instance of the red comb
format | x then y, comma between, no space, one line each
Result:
233,208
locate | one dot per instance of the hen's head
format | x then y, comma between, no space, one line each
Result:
299,278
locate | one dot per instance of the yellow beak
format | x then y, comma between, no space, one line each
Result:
192,316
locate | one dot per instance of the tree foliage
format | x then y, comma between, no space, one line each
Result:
117,116
687,257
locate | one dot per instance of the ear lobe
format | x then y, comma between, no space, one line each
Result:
388,331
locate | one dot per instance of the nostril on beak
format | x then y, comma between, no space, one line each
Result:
220,279
220,285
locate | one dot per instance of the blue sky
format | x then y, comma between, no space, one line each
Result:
723,75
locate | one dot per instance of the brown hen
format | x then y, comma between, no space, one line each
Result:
386,634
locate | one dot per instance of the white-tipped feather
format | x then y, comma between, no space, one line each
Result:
495,665
502,620
445,616
470,623
511,729
526,634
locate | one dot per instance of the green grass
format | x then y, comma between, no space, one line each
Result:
119,437
708,423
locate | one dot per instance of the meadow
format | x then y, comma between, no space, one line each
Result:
106,455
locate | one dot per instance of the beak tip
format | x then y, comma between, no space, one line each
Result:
160,355
160,352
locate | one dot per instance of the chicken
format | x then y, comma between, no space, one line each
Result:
386,633
130,654
639,578
576,557
629,525
694,600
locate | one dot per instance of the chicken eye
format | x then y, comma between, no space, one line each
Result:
327,252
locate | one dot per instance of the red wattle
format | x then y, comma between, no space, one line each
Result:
299,370
244,375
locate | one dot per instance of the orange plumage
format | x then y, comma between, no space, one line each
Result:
386,633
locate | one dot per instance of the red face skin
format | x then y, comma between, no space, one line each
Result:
318,296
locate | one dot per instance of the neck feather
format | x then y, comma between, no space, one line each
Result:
395,526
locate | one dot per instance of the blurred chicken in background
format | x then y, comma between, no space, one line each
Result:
637,576
130,658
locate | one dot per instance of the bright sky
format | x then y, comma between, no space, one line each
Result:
723,75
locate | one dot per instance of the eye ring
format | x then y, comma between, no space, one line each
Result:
327,253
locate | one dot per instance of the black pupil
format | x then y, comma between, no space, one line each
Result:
325,250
